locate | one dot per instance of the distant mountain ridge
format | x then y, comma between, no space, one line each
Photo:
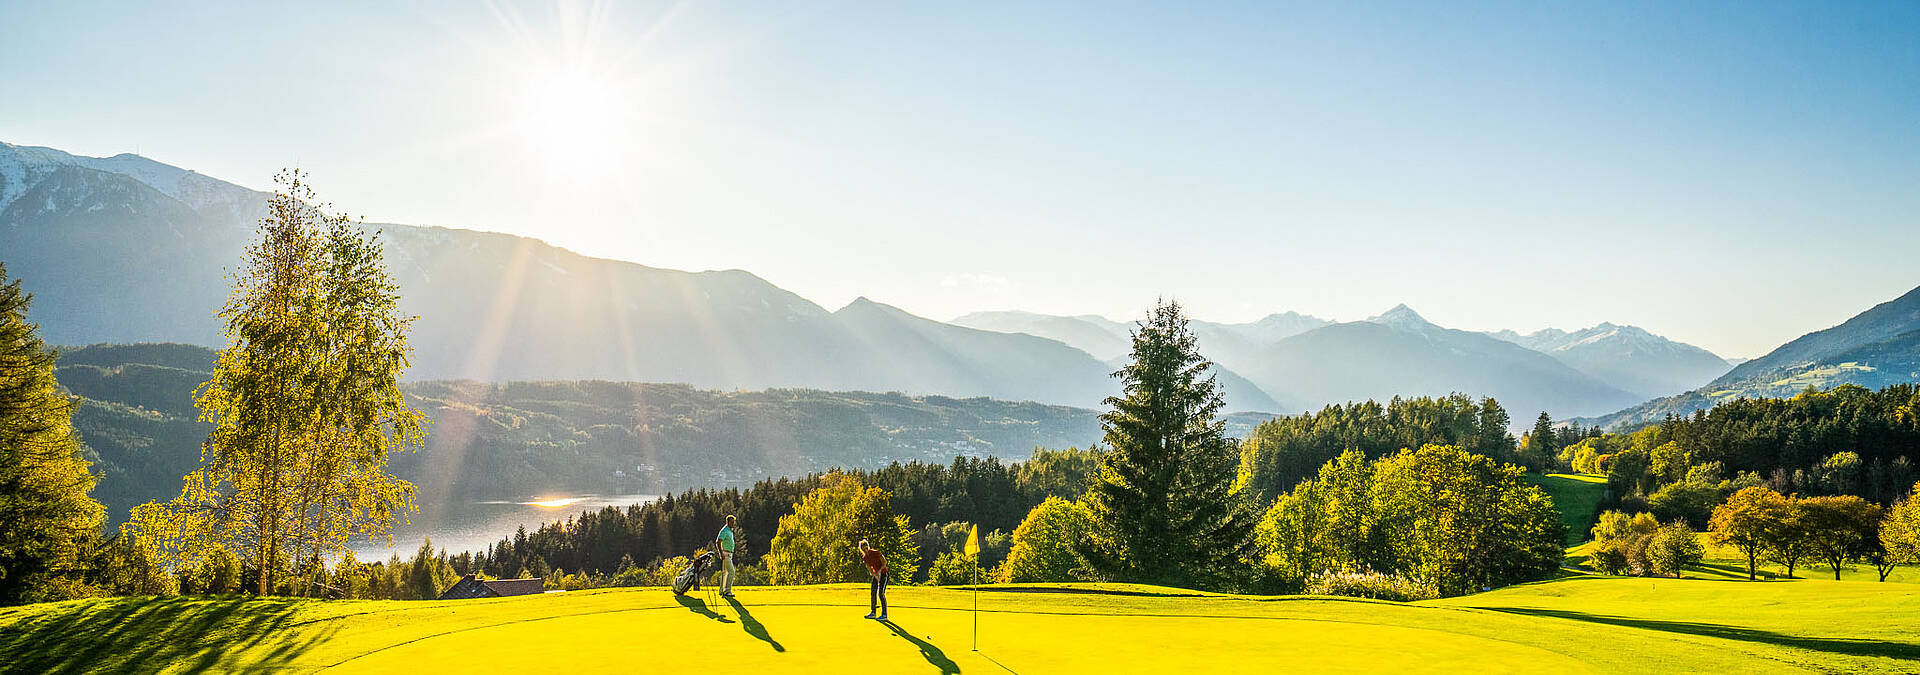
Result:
124,249
1628,357
1105,338
492,441
1875,348
127,249
1306,362
1400,353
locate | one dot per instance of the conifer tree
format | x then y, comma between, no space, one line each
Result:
45,513
1165,505
1541,444
305,402
1493,439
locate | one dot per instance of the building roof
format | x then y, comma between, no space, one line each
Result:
470,587
509,587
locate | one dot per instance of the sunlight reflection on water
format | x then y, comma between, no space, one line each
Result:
478,524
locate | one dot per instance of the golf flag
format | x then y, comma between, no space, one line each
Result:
972,551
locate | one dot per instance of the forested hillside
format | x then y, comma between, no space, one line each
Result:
492,307
509,441
1874,349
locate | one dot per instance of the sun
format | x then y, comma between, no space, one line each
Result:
574,117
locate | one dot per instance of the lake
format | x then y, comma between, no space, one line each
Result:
478,524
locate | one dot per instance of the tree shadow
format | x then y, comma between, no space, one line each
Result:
1735,573
753,626
700,607
141,634
932,654
1851,647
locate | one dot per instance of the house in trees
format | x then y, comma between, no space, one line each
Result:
471,586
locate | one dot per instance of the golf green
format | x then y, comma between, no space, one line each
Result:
1575,625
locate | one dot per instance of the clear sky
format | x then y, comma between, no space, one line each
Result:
1731,175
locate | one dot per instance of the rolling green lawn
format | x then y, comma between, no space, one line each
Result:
1577,497
1574,625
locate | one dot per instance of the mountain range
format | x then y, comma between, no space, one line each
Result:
125,249
1875,348
1627,357
1306,361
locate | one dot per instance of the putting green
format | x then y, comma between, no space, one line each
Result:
1576,625
795,632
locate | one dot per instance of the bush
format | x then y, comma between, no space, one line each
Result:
954,568
1609,558
1370,585
1042,546
1672,549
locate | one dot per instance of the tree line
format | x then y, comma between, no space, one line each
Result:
1827,529
1845,441
1359,500
1281,452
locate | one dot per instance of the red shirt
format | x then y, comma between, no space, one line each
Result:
876,563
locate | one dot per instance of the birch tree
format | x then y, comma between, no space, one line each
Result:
305,403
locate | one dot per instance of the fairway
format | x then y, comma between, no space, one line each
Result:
1577,625
1577,496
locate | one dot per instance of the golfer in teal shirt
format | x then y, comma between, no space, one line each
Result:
724,543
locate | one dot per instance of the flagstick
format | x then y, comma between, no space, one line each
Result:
976,606
973,543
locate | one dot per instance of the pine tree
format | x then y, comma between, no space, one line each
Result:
1165,501
305,402
45,513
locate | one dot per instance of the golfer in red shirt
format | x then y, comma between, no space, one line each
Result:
876,568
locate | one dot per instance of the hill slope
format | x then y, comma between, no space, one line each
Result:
1401,354
509,441
1628,357
1304,362
125,249
1875,348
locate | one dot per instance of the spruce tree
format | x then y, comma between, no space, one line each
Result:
1493,440
1541,444
1164,501
45,513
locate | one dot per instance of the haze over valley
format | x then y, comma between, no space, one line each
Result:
498,307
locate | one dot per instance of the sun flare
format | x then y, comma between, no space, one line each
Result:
574,117
556,502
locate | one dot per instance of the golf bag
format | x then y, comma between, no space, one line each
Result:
689,578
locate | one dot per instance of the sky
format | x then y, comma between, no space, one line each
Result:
1731,175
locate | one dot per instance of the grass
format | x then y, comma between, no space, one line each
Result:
1577,497
1726,562
1574,625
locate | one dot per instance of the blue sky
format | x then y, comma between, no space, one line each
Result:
1731,175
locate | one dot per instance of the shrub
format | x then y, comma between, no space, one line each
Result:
1635,547
954,568
1672,549
1609,558
1043,543
1371,585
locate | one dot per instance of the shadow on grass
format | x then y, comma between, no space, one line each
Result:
1734,572
700,607
143,635
1074,590
753,626
1893,650
932,654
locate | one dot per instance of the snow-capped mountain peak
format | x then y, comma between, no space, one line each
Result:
1403,318
24,166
